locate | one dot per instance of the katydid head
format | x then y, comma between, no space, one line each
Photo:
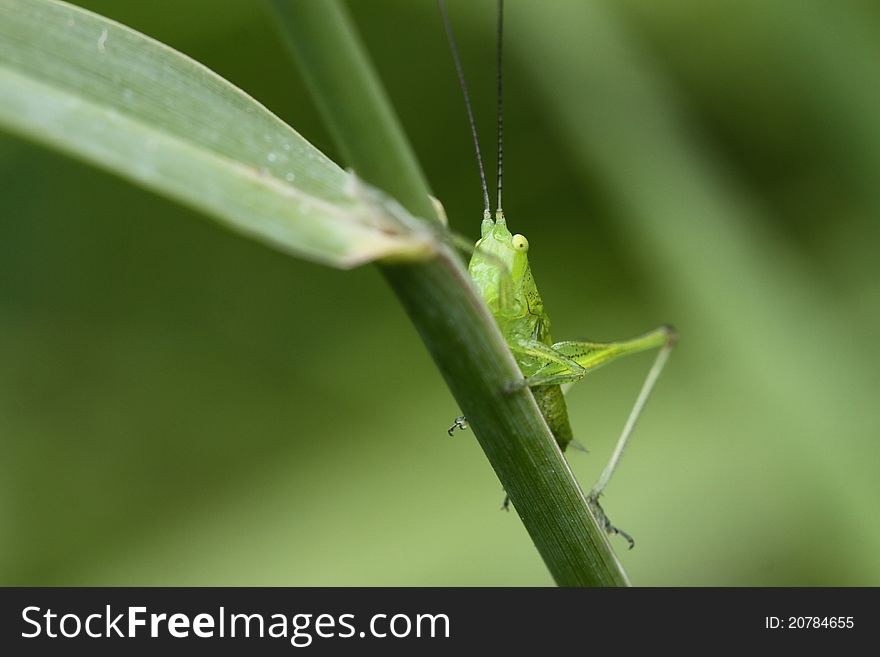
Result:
500,266
501,249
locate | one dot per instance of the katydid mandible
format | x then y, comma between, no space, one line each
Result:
500,270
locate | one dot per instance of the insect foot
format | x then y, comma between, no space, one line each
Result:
460,423
505,505
593,501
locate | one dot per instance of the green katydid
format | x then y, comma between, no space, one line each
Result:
499,268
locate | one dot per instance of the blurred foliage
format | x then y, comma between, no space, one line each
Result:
182,406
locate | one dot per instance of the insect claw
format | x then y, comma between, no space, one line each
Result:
460,423
505,505
629,539
593,500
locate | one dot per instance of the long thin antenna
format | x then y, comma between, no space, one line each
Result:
467,103
500,117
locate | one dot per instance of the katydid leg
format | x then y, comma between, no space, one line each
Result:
669,337
459,423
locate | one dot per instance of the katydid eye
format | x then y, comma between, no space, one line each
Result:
520,243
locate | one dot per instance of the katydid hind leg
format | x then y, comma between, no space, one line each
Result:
570,361
551,367
670,337
599,513
592,355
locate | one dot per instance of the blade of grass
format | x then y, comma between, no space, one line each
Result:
97,90
454,324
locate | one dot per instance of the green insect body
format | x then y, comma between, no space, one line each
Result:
500,270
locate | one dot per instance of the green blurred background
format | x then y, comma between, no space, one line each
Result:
179,406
